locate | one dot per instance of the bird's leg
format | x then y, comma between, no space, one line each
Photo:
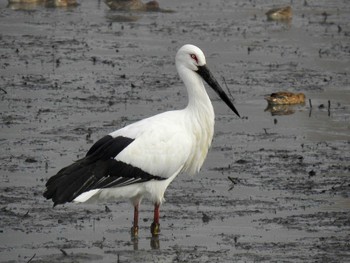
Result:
155,227
135,227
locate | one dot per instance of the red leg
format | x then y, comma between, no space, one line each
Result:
155,227
156,214
135,228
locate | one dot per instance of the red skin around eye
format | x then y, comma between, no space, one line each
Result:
193,56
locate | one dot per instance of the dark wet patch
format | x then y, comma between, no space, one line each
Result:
321,221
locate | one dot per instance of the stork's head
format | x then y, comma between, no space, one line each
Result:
193,58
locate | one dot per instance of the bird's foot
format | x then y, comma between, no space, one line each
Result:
134,231
155,229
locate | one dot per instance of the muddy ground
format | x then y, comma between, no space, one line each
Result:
276,184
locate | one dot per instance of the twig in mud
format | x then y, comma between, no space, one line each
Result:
64,252
107,210
310,108
5,92
232,179
26,214
325,16
229,91
329,108
334,187
265,131
31,258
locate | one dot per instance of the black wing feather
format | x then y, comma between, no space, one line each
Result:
98,169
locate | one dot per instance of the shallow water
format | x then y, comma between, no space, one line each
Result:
69,76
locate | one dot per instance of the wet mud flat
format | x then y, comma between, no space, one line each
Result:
276,184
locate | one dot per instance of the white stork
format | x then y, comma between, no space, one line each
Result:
142,159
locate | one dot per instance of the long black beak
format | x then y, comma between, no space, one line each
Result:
205,73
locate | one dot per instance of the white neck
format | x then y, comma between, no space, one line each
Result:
198,99
201,117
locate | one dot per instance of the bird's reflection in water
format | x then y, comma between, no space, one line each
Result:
154,242
33,4
135,6
111,17
135,242
279,110
21,6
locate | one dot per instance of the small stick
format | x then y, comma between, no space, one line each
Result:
26,214
31,258
310,108
233,180
229,92
3,90
329,108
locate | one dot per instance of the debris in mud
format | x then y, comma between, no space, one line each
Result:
30,160
107,210
64,252
205,218
312,173
3,90
233,180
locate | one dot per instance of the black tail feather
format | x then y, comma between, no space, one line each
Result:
99,169
78,177
65,185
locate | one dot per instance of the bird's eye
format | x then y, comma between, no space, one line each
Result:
194,57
